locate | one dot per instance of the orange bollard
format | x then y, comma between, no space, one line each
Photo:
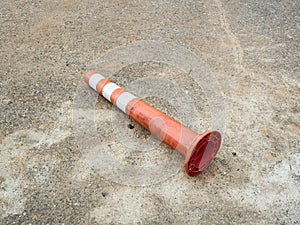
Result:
199,150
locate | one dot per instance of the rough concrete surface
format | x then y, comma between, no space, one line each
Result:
252,50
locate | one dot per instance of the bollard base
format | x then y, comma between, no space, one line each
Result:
202,152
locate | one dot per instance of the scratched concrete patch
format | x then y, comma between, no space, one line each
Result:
21,156
18,157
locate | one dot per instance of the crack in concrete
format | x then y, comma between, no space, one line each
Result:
237,48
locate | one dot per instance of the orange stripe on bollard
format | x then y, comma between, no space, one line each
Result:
199,150
114,96
100,85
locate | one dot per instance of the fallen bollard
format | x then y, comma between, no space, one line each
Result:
199,150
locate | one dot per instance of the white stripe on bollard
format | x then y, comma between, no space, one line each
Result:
124,99
109,89
94,80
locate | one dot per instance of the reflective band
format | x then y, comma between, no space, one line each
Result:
123,100
109,89
94,80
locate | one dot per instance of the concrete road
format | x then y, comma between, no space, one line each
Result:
68,157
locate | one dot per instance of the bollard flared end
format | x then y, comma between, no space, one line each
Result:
202,152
